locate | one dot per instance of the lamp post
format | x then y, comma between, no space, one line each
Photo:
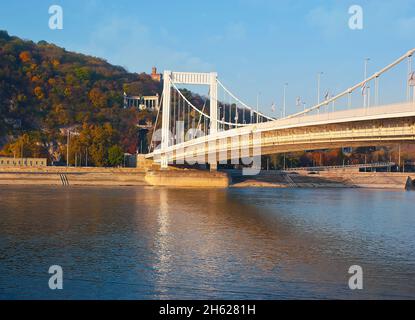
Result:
318,86
68,139
365,102
366,63
257,107
285,99
68,134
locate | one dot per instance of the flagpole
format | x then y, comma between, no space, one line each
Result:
285,97
257,107
364,96
318,88
408,89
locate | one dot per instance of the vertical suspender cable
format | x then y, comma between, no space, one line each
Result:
408,88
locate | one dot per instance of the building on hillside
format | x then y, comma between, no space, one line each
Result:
150,103
23,162
155,76
15,123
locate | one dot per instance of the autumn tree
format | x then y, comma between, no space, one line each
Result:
115,156
97,98
25,56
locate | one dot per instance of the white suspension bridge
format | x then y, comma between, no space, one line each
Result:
223,128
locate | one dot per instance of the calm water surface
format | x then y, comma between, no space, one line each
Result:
149,243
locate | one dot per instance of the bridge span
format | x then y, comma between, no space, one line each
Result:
228,129
374,126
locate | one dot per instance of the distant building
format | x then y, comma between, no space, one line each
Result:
23,162
150,103
15,123
154,75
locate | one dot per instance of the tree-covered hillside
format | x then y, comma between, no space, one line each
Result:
45,89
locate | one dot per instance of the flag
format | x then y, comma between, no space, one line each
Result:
364,87
273,107
298,102
327,96
411,79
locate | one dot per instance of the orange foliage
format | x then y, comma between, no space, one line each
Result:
39,93
67,92
97,98
55,63
25,56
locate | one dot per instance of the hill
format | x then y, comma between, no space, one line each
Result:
45,89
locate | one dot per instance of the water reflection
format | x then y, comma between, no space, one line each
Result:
163,252
164,243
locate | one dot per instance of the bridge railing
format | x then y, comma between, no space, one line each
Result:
392,110
348,166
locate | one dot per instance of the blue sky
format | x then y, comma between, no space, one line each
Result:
254,45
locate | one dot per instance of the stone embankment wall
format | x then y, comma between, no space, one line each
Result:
62,176
278,179
71,176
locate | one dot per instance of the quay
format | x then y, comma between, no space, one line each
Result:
188,178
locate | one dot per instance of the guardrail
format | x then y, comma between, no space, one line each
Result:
349,166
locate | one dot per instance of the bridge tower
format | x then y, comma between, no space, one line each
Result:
189,78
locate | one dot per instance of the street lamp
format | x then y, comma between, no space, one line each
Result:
68,137
365,86
68,134
318,86
257,107
285,99
366,63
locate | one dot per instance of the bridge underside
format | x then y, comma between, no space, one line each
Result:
373,132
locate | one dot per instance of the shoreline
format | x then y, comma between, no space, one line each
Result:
188,178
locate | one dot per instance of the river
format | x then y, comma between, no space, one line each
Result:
153,243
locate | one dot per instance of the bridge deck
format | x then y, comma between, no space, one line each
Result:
304,131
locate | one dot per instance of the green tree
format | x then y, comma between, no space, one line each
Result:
115,156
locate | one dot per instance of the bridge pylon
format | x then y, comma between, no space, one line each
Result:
192,78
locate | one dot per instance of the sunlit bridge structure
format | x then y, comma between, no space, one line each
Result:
223,127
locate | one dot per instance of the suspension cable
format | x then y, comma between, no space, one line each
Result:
242,103
196,109
360,84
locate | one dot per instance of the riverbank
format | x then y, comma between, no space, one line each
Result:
62,176
334,179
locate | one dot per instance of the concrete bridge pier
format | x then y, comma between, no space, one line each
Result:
213,167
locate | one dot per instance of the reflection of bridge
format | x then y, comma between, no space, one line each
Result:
233,130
